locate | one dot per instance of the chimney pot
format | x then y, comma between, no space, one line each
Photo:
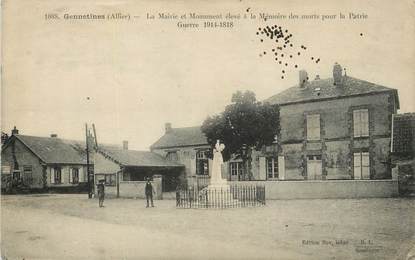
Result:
303,76
53,135
15,131
125,145
167,128
337,74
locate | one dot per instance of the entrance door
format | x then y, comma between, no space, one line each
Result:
314,167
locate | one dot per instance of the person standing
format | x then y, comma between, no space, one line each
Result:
149,192
101,193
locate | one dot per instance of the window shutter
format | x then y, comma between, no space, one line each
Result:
262,168
365,122
357,166
80,175
356,121
365,166
281,167
52,175
70,175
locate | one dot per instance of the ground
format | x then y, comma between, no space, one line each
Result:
74,227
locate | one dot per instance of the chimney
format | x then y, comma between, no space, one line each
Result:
167,128
337,74
15,131
54,135
125,145
303,76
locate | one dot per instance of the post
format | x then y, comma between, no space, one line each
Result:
118,183
87,163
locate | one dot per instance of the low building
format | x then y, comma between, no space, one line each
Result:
44,162
125,171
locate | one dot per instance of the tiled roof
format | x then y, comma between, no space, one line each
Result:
177,137
137,158
55,150
324,89
404,133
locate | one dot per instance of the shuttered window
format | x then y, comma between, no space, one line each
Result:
361,122
313,127
361,165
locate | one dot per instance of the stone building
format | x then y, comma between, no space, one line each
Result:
44,162
335,128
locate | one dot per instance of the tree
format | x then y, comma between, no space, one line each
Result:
246,124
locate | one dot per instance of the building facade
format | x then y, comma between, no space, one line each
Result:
44,162
336,128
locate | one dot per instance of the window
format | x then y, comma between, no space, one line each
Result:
110,179
57,175
202,163
272,168
27,174
313,127
172,156
236,168
74,175
361,165
361,122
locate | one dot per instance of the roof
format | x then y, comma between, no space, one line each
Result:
137,158
320,89
404,134
185,136
53,150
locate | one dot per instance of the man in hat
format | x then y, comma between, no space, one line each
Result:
101,192
149,192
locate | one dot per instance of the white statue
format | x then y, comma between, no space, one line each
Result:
216,178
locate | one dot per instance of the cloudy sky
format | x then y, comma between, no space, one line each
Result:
141,73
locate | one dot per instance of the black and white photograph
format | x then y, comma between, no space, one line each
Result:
233,129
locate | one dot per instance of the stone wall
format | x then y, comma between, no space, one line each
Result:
328,189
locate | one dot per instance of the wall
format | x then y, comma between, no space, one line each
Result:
344,189
135,189
65,175
24,157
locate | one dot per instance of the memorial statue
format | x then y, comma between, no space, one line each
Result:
216,178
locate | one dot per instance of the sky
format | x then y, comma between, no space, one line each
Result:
131,77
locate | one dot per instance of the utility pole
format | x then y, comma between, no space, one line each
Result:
87,163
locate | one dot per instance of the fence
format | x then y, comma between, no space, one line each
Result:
227,197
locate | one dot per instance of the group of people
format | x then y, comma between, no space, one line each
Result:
148,190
